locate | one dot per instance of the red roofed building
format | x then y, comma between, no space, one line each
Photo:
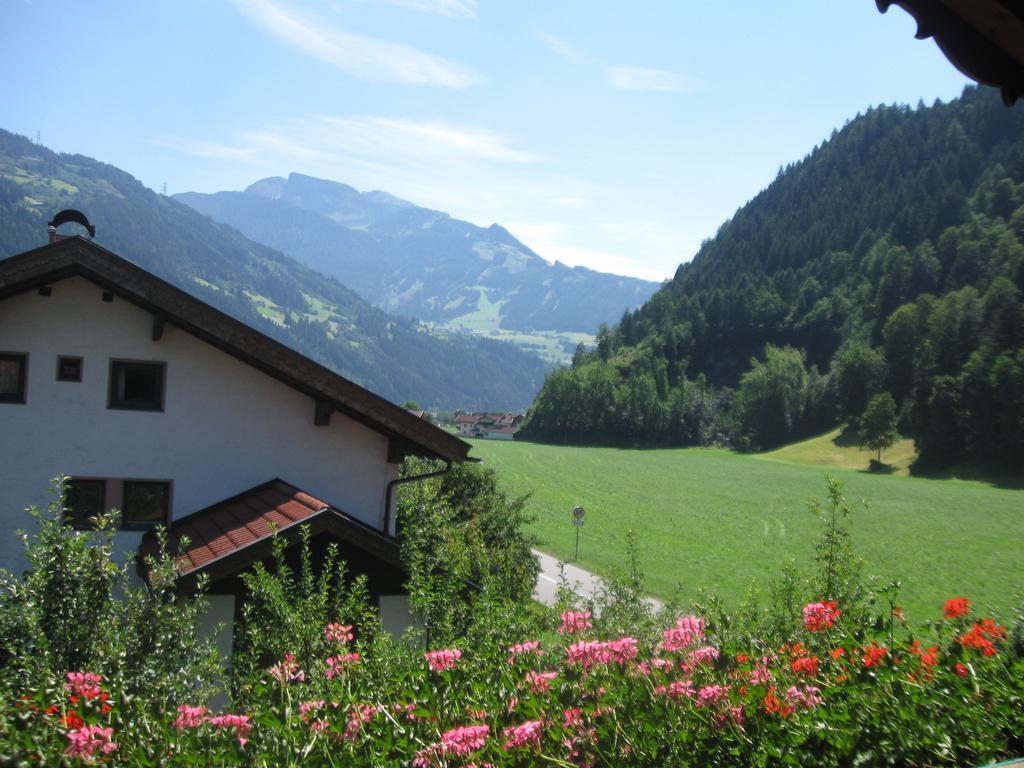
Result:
177,414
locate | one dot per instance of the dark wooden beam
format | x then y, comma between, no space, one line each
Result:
158,327
322,413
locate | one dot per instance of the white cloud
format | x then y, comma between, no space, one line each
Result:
470,172
550,241
644,79
369,58
558,46
465,8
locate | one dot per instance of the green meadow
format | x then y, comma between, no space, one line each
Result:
717,519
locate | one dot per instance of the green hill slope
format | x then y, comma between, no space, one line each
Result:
890,259
313,313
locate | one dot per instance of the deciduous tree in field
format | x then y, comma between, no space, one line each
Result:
878,424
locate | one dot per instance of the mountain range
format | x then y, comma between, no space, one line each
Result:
314,313
424,264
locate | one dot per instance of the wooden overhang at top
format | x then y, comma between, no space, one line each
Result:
984,39
77,256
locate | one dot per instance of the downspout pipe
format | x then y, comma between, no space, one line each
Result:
390,491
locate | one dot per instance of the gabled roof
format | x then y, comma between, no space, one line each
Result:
77,256
227,537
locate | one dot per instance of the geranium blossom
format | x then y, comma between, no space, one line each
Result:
598,652
805,666
983,636
190,717
337,665
446,658
540,682
873,655
515,651
819,616
85,684
525,735
82,742
712,695
677,689
574,622
687,631
287,671
240,723
956,606
702,656
805,697
336,633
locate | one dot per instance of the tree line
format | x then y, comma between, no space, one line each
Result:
889,261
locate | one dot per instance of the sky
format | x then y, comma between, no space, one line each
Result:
611,135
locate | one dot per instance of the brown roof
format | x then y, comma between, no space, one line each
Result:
467,418
229,536
78,256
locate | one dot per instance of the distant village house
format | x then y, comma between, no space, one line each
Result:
493,425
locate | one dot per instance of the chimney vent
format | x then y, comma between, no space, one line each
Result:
68,215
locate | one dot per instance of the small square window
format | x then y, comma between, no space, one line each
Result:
69,368
84,499
136,386
146,503
12,377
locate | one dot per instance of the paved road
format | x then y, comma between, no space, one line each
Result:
583,583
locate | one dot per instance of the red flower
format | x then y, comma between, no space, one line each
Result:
956,606
961,670
805,666
873,655
982,636
772,705
819,616
837,653
72,720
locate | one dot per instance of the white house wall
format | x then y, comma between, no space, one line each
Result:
225,428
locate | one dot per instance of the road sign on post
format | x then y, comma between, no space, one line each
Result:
578,514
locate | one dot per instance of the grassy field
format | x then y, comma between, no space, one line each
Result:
837,451
711,518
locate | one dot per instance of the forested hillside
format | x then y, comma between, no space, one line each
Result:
302,308
890,259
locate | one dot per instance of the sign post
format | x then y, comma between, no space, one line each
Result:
578,513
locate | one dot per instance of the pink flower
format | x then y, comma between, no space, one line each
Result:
190,717
572,718
592,652
701,657
336,633
84,684
514,651
241,723
819,616
358,716
687,631
678,689
287,671
712,695
462,741
574,622
807,697
760,674
82,742
458,742
540,682
525,735
337,665
447,658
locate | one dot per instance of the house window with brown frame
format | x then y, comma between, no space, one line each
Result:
136,386
13,367
84,498
146,503
69,368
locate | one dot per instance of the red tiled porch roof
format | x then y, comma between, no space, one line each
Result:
229,536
